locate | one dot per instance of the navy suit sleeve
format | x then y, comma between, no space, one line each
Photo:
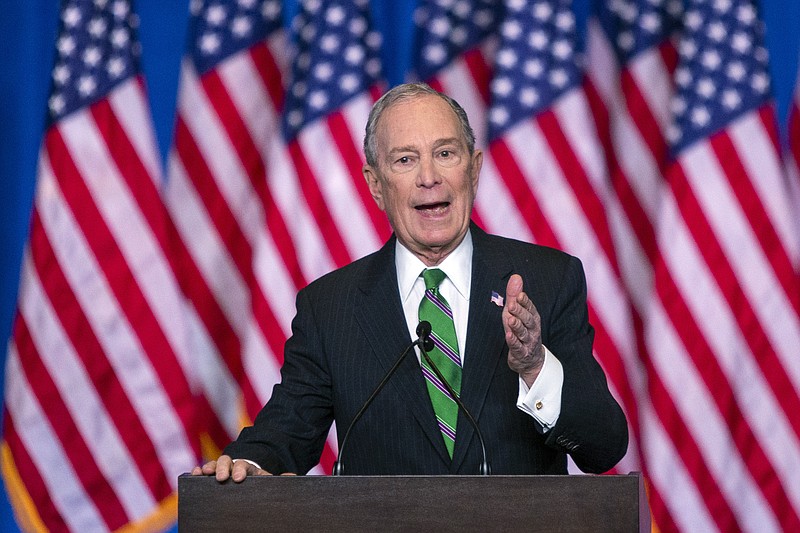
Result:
289,433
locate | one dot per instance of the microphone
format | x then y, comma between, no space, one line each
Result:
426,345
424,341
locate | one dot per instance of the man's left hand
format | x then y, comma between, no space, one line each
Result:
523,328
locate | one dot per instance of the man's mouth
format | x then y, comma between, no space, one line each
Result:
433,208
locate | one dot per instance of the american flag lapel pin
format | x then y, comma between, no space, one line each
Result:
497,299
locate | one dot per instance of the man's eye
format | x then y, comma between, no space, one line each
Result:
445,153
403,160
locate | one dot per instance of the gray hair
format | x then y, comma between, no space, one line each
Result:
408,91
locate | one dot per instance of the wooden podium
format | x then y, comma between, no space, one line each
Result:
414,503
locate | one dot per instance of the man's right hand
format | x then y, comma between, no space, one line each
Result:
225,467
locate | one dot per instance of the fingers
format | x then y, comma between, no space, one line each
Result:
519,314
225,467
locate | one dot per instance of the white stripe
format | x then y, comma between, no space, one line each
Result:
757,401
219,154
577,123
76,389
654,80
668,473
274,282
132,110
496,207
742,248
763,165
259,362
118,340
207,249
312,251
696,406
221,390
41,443
333,178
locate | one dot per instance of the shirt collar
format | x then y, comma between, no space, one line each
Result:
457,266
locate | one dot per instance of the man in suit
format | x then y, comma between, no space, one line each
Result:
520,343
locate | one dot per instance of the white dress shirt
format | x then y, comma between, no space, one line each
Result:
543,400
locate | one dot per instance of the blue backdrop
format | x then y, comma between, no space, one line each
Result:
27,40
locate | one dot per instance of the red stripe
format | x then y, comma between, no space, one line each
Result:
268,324
102,374
480,72
31,477
741,185
121,280
71,441
317,206
343,138
269,72
253,165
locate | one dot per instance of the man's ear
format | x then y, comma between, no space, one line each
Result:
374,184
475,168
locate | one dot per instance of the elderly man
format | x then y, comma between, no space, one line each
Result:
510,328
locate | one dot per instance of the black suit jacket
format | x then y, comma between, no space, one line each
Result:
350,329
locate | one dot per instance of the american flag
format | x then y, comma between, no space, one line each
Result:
632,56
516,69
545,150
265,186
224,209
99,418
723,325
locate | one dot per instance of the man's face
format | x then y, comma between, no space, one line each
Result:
425,178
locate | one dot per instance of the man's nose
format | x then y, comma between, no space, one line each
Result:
428,173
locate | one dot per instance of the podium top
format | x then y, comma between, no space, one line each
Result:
576,503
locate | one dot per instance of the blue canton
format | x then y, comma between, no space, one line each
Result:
337,59
536,63
722,71
221,28
448,28
634,26
96,50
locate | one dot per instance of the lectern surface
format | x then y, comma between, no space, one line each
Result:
414,503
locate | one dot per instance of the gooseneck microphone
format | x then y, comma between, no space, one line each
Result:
426,345
425,342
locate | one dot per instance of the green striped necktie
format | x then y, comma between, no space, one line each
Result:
435,309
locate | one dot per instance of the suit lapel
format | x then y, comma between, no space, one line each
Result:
485,344
380,315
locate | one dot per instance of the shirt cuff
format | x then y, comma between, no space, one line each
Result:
249,461
543,400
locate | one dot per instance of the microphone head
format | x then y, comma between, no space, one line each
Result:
424,334
423,329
